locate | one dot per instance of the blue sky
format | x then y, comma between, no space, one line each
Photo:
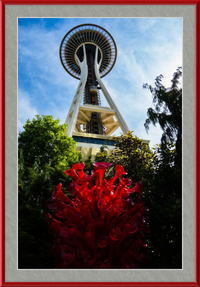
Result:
146,48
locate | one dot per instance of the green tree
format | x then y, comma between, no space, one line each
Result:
135,156
102,155
45,152
167,112
165,211
165,195
44,141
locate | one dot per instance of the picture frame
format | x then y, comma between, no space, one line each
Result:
10,275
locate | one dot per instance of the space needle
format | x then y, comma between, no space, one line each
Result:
88,52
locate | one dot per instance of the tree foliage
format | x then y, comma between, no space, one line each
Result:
163,199
102,155
135,156
45,152
165,195
44,142
168,110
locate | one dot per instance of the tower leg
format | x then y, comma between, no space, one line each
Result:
110,101
74,109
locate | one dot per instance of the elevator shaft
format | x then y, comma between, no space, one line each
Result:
91,95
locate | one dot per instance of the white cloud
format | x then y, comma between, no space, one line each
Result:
25,109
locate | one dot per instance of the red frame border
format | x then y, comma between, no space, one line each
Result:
3,3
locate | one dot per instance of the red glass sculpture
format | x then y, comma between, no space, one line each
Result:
99,226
